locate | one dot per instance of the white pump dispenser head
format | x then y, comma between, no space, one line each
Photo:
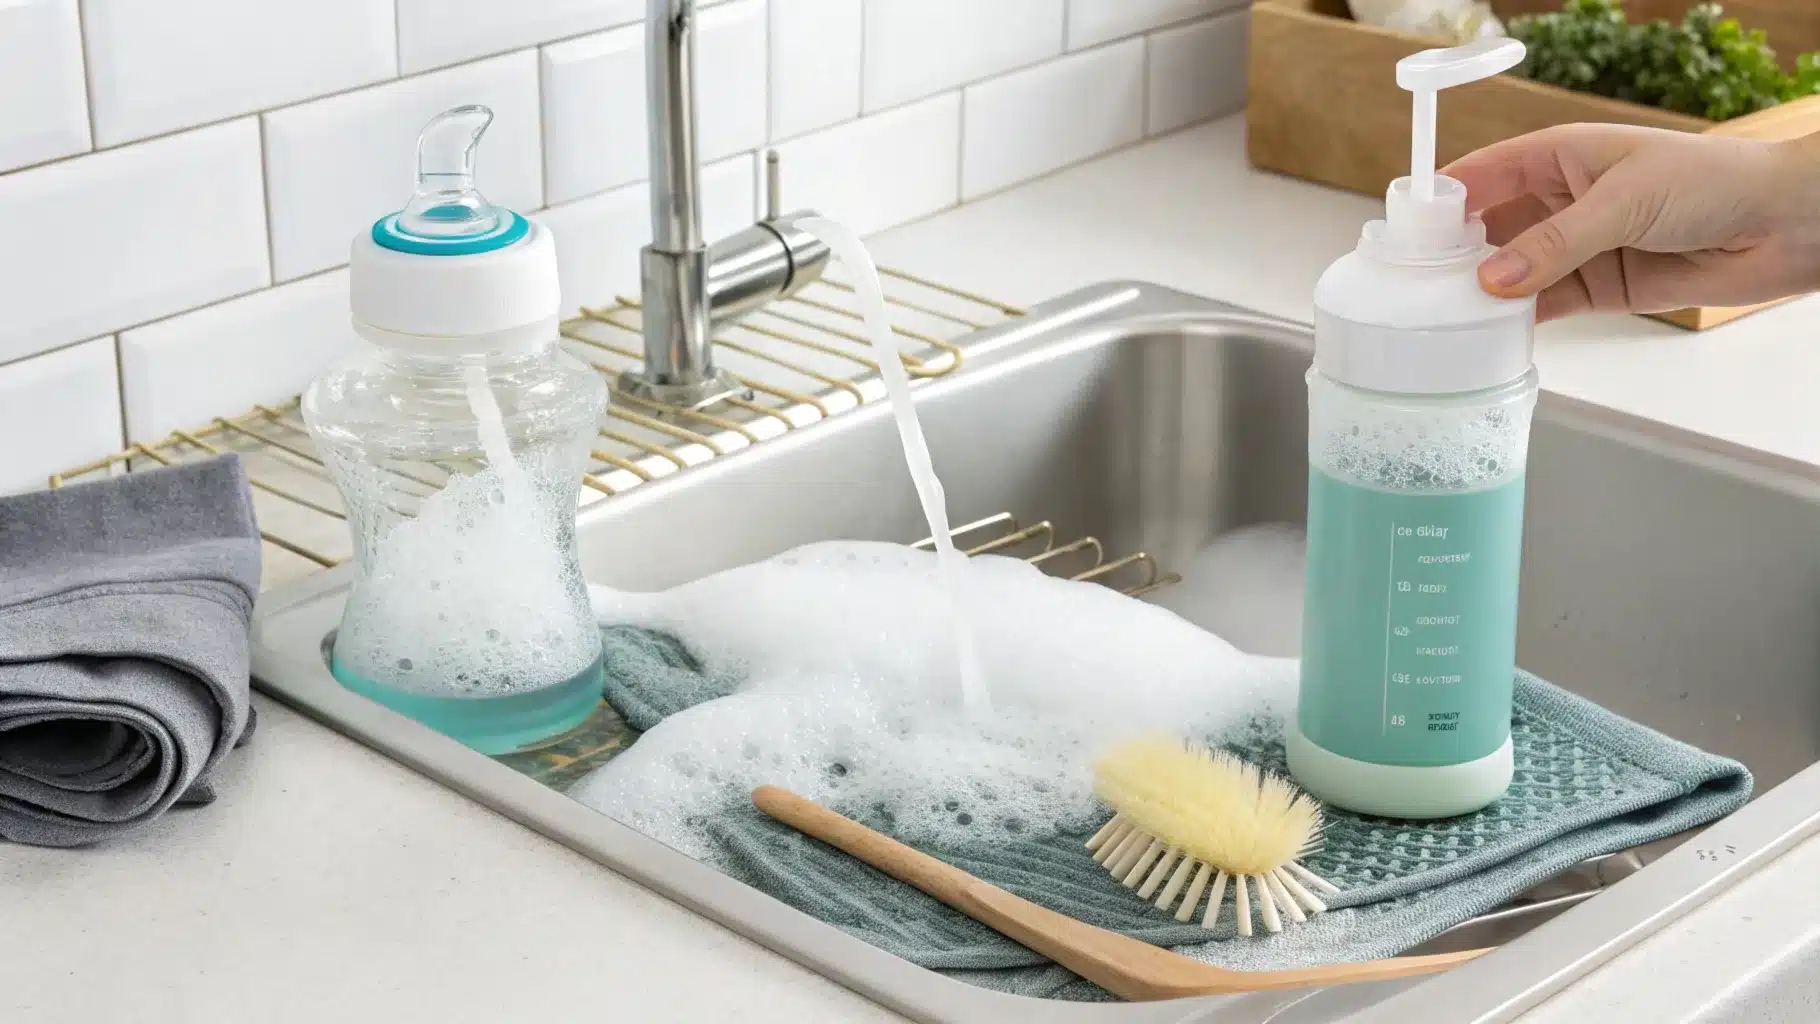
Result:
1404,311
1426,213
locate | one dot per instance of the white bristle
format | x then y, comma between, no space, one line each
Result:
1242,905
1134,848
1176,881
1212,916
1285,902
1105,832
1316,881
1158,873
1267,906
1115,846
1194,892
1141,866
1300,893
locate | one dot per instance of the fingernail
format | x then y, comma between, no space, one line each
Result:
1505,268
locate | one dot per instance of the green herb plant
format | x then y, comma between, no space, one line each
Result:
1708,65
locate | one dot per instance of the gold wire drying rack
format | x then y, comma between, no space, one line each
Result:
804,359
1082,560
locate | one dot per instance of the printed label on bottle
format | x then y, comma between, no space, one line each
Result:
1409,631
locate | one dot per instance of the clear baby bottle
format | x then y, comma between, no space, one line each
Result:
1419,411
458,440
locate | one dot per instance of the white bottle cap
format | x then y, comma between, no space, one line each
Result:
452,274
1404,312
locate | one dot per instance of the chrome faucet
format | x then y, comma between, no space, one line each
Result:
689,285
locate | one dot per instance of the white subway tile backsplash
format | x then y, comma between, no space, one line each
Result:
883,111
598,238
67,403
158,67
1096,21
222,359
116,238
594,112
815,64
730,60
917,47
433,33
43,113
1032,122
335,165
1197,72
878,171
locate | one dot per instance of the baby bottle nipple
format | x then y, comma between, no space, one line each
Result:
446,203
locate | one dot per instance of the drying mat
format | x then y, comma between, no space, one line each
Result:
1587,783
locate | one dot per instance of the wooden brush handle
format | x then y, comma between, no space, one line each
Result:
1123,965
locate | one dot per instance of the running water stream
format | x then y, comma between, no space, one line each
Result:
951,563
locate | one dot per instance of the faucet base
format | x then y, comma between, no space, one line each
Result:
716,387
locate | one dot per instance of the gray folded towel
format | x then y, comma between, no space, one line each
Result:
124,608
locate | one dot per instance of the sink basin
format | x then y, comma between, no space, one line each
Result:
1670,578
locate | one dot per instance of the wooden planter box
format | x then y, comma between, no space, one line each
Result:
1323,104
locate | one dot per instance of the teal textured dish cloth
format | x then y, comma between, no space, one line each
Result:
1587,783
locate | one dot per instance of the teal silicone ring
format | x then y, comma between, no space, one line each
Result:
387,235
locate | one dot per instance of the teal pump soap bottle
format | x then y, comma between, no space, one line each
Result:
1419,410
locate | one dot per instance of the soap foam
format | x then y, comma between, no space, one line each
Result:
474,597
850,695
471,598
1247,587
1416,444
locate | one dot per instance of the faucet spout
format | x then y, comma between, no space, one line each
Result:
688,285
670,84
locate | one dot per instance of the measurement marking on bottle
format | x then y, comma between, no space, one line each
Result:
1390,598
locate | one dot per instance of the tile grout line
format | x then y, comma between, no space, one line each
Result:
1144,86
88,88
265,196
960,151
120,389
864,6
543,135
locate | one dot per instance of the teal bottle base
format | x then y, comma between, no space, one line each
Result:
1419,792
491,725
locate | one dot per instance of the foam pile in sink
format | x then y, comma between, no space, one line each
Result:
849,694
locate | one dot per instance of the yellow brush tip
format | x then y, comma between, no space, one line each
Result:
1211,805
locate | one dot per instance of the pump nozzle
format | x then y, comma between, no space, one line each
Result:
1427,73
1425,215
446,203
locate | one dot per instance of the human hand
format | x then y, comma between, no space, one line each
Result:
1617,218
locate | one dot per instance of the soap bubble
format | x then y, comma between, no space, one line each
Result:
850,695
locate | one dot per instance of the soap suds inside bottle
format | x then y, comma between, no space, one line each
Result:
468,599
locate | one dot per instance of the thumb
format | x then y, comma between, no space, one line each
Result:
1557,247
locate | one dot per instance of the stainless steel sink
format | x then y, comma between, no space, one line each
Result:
1672,579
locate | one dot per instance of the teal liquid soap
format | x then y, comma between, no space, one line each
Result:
1409,631
491,725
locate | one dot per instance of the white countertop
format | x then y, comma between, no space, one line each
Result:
328,883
